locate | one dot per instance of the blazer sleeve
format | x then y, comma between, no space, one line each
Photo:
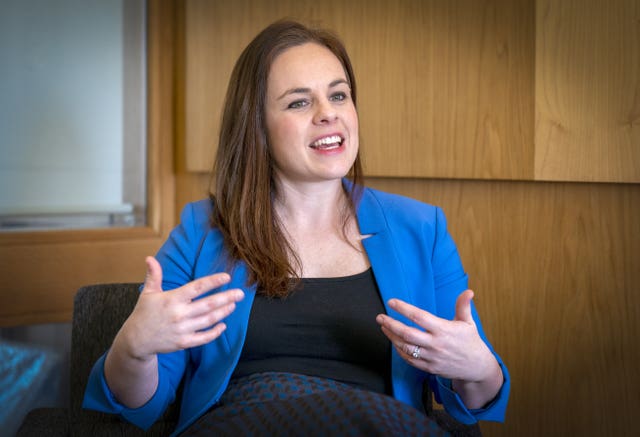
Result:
449,281
177,257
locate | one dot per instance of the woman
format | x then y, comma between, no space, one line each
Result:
292,275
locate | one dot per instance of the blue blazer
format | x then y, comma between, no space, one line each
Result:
413,258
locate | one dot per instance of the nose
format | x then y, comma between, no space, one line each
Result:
325,112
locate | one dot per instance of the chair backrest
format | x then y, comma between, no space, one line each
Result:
98,313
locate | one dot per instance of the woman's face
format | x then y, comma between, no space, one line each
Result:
312,123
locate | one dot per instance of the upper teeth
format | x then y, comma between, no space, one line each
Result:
327,140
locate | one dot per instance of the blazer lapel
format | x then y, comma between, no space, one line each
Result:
391,280
237,321
382,252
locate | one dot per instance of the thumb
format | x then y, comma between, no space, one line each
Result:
153,280
463,307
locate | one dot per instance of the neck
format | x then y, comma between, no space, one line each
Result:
311,206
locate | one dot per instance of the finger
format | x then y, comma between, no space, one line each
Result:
203,337
209,335
407,355
401,334
406,348
214,302
463,307
403,353
202,285
153,279
420,317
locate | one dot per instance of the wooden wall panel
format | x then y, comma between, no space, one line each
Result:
555,270
189,188
445,88
39,281
587,90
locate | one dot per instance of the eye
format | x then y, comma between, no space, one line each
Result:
297,104
339,96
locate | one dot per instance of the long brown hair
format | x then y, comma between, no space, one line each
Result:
243,170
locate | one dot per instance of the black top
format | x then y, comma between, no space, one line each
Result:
326,328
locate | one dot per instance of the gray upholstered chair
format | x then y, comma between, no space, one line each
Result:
98,313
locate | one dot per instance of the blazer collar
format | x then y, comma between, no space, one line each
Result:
382,251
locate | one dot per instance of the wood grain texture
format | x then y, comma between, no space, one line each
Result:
555,271
445,88
190,187
39,281
41,271
587,90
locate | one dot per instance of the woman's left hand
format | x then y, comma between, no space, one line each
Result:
450,348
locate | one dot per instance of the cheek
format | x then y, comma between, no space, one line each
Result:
354,125
282,135
282,130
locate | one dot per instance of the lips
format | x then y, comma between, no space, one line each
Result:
329,142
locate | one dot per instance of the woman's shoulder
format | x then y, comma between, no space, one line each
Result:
397,204
202,207
196,216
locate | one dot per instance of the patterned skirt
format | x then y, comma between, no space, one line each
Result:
285,404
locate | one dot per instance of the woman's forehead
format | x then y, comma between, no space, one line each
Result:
305,64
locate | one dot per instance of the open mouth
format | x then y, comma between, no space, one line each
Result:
328,143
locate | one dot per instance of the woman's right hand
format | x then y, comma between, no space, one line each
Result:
167,321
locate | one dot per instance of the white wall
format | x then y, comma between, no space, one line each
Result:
62,100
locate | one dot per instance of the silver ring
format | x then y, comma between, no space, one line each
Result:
416,352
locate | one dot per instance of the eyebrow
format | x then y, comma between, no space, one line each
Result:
308,90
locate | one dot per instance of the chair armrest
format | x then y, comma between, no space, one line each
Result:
45,422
